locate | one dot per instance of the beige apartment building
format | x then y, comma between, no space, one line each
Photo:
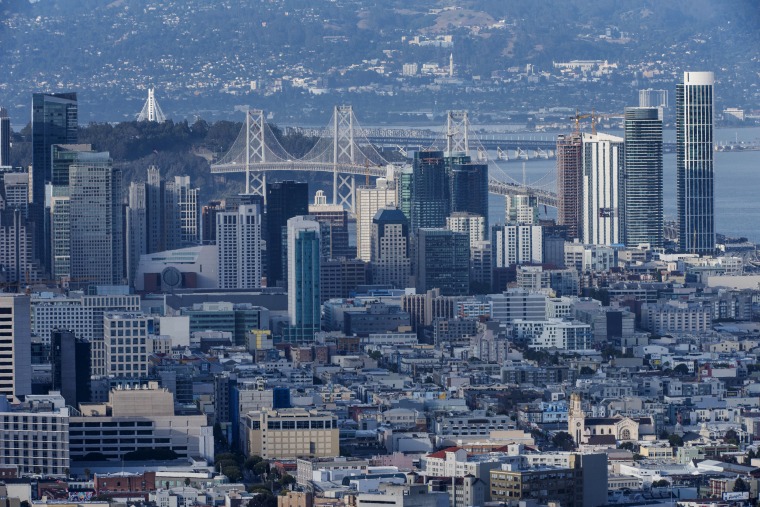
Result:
291,433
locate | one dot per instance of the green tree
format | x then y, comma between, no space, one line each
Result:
261,468
662,483
731,437
675,440
585,370
564,441
681,370
741,485
233,473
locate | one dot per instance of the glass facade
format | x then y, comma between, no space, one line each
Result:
642,182
694,163
430,190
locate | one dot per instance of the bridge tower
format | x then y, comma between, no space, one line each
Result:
457,132
151,111
343,154
255,153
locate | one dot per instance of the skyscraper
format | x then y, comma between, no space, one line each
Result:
285,200
54,121
70,361
642,184
694,162
391,262
5,138
95,219
238,240
570,183
602,169
304,309
443,261
469,189
368,202
430,191
15,345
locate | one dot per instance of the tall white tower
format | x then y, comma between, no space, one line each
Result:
451,64
238,238
151,111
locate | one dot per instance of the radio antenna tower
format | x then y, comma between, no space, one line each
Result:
151,111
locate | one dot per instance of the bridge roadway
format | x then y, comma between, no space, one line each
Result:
489,142
495,186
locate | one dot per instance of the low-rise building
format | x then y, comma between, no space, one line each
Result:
291,433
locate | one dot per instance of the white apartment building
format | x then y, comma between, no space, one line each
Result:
368,201
516,244
602,172
239,244
517,304
676,317
554,334
589,258
390,259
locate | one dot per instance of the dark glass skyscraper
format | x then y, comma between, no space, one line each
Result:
642,182
54,121
285,200
443,261
70,361
5,138
694,162
469,189
430,190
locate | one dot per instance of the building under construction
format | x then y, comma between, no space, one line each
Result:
570,182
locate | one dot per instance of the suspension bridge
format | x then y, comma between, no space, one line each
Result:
345,150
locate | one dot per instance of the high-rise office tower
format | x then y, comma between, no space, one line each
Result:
137,228
570,183
5,138
285,200
602,171
443,261
642,184
54,121
469,189
430,191
238,240
694,162
126,357
304,308
15,345
391,262
70,361
472,224
16,258
369,200
95,219
654,98
58,241
186,199
521,209
404,191
16,255
208,222
334,220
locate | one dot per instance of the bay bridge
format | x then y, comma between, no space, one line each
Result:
346,150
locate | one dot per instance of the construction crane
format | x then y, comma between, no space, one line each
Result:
594,119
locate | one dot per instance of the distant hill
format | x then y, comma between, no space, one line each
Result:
207,57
